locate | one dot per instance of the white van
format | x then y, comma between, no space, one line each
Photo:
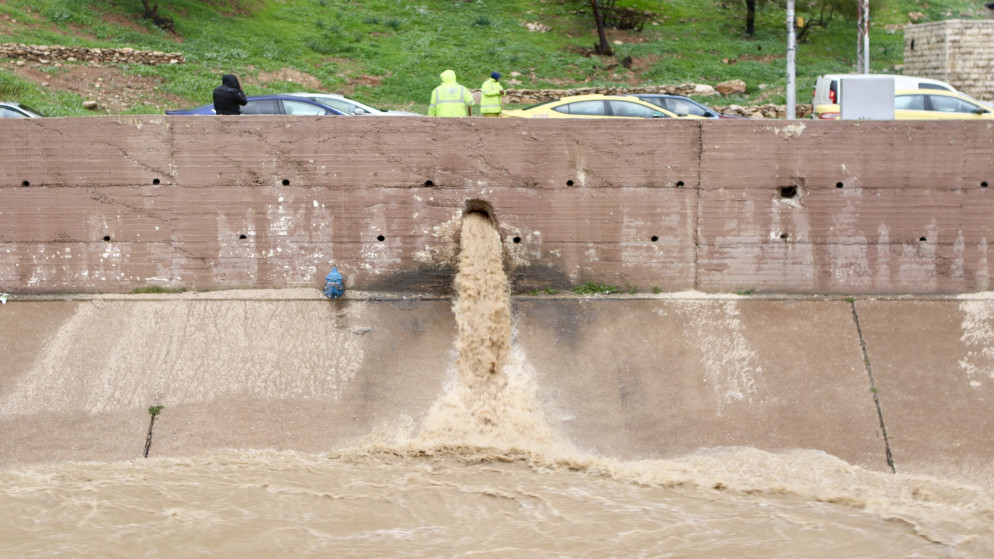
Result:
826,90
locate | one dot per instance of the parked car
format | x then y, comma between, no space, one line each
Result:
9,109
826,91
349,106
927,104
270,105
682,106
594,106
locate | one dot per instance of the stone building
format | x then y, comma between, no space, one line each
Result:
960,52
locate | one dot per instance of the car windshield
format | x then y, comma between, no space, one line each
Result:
340,104
542,104
946,104
685,107
343,105
302,108
629,109
347,106
658,101
909,103
589,108
261,107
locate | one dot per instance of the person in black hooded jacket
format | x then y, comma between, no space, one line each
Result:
229,97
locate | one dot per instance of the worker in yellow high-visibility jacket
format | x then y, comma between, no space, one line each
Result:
490,93
450,98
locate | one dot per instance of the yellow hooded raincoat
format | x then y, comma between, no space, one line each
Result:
490,93
450,98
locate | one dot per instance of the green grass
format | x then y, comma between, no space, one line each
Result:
594,288
390,52
546,291
51,103
156,289
12,87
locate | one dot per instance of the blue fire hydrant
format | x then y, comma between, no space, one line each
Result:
335,287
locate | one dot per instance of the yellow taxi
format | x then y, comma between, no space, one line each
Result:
924,104
594,106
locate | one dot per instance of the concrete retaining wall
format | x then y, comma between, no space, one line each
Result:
110,204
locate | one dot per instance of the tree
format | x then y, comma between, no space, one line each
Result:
606,14
822,20
603,47
152,13
822,11
751,7
750,17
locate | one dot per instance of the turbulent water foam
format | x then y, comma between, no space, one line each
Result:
461,502
491,401
485,475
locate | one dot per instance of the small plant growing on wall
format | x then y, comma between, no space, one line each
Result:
156,289
152,411
593,288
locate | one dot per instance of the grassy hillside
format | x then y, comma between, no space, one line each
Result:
390,52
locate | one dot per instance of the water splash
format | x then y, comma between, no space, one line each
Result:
492,401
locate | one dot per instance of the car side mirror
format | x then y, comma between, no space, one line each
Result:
359,111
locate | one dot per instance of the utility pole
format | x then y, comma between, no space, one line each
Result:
791,63
863,38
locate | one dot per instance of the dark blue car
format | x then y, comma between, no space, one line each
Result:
270,105
681,105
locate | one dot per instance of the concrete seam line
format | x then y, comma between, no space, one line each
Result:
697,217
873,386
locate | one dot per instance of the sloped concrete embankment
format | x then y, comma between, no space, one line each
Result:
624,377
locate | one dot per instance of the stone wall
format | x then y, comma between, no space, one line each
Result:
111,204
126,55
959,52
768,110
